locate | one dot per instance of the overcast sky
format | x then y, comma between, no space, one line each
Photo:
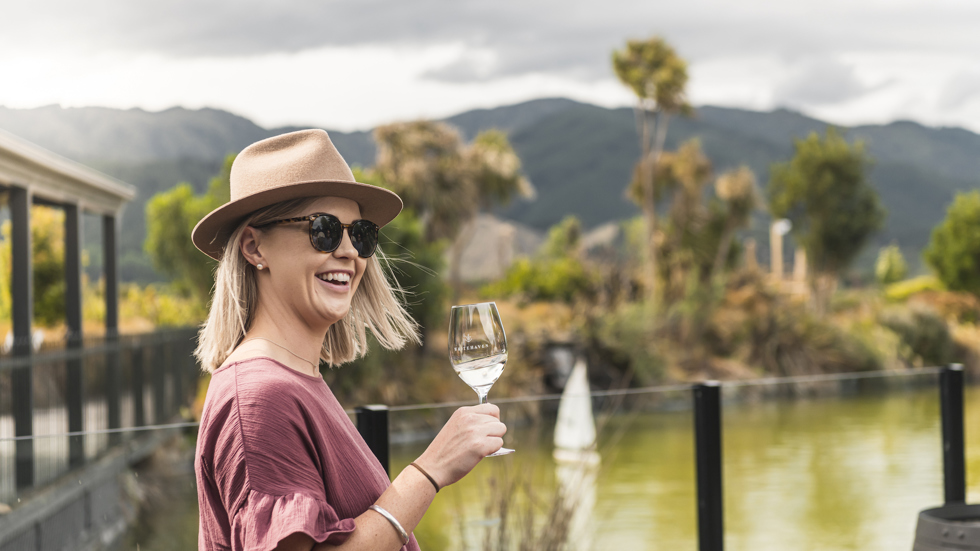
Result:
351,64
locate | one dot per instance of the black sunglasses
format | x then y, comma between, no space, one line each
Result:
326,233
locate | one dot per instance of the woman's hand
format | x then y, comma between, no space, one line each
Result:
471,434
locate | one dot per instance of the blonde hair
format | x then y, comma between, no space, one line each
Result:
374,306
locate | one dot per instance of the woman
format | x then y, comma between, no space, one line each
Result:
279,464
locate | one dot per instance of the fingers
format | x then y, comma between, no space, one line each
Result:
485,409
497,429
493,444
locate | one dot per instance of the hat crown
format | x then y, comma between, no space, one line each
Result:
280,161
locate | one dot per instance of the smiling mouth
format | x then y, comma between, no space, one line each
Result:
336,278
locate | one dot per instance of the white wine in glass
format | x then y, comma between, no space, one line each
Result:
478,348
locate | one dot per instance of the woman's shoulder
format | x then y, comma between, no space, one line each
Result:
262,386
259,381
259,370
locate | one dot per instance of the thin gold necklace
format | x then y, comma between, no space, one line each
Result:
315,370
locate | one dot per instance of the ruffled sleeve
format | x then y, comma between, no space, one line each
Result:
264,520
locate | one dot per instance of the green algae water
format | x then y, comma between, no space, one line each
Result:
843,472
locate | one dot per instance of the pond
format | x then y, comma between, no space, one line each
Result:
843,472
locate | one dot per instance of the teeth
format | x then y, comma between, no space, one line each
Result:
338,277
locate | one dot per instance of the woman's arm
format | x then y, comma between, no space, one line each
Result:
471,434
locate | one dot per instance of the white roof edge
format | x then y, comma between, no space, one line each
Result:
66,167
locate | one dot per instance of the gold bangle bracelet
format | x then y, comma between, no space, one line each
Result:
393,521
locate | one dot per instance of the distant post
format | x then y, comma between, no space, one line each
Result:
707,444
954,449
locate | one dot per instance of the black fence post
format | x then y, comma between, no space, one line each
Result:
176,370
113,394
707,445
113,373
22,314
159,377
75,399
372,423
954,450
137,385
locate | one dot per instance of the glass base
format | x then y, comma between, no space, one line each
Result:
501,451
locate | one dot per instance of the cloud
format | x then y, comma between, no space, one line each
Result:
843,60
819,82
565,37
959,90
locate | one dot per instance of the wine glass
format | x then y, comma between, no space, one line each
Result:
478,348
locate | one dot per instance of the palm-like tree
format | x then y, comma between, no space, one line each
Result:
447,181
658,76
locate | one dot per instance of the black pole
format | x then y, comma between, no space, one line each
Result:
73,322
372,423
707,445
954,450
113,372
22,298
137,384
159,384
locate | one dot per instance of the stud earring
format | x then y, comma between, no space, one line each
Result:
259,266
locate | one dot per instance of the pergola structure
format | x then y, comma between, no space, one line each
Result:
33,175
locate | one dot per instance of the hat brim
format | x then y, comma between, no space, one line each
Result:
377,204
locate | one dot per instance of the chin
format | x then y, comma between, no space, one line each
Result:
333,315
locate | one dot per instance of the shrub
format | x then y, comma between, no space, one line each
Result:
890,266
902,290
954,250
925,336
629,334
555,274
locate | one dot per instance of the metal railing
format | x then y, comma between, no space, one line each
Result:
139,383
84,401
706,398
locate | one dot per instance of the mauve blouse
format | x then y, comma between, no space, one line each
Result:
276,455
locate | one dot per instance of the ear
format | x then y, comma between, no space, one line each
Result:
250,246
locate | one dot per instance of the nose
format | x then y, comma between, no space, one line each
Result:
346,248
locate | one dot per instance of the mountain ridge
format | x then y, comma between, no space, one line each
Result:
579,156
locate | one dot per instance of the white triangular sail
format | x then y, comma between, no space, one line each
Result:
575,429
577,458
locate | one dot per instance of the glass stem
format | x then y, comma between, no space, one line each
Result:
483,399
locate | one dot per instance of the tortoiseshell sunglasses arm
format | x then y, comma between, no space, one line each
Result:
308,218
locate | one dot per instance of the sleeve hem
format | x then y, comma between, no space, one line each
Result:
264,520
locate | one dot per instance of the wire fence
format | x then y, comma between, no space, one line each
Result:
595,394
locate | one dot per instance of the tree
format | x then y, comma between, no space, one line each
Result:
689,236
824,192
954,249
48,254
170,219
738,191
414,261
890,266
658,77
422,161
446,181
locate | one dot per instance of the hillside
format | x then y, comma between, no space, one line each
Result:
578,156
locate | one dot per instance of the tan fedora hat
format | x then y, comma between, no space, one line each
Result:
289,166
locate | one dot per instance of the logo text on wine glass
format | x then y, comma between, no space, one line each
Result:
466,346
